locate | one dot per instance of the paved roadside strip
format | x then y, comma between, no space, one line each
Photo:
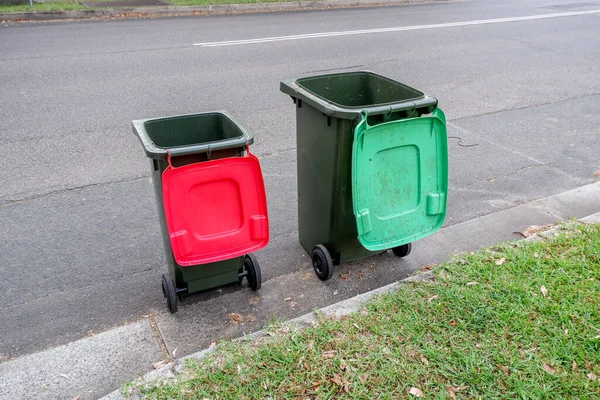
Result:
171,11
97,365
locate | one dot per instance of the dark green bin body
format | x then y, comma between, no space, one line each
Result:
190,139
328,108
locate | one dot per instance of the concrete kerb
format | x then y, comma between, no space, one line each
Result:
160,11
337,310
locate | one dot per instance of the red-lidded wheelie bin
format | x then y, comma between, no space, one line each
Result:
211,201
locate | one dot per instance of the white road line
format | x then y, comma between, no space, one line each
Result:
394,29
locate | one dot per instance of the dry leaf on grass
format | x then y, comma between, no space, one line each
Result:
452,390
574,365
549,369
501,261
236,317
429,300
453,323
424,360
472,283
328,354
337,380
593,377
416,392
544,291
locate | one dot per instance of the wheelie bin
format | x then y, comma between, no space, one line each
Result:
372,163
211,201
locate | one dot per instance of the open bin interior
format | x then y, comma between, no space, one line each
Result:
359,89
189,130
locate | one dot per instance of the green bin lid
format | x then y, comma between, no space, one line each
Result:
399,180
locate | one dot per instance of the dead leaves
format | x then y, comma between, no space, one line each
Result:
425,361
500,261
429,300
236,318
416,392
544,291
159,364
452,390
549,369
341,381
255,301
328,354
593,377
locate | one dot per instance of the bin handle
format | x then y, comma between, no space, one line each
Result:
206,148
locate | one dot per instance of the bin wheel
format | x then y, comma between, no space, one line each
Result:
322,262
169,292
402,251
253,268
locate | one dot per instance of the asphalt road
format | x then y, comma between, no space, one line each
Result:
80,246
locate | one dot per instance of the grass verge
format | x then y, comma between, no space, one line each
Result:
50,6
517,320
75,5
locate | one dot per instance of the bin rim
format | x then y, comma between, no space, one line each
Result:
297,92
160,153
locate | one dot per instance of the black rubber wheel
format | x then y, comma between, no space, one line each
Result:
322,262
169,292
402,251
253,268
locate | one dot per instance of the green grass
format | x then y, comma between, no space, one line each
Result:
51,6
483,328
75,5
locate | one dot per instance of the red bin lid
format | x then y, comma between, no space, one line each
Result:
215,210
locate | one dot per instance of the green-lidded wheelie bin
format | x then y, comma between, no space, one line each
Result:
211,203
372,163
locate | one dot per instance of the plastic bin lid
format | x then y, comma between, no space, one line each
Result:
215,210
399,180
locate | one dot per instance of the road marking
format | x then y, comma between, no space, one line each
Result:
394,29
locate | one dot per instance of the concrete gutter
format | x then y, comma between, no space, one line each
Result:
166,11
